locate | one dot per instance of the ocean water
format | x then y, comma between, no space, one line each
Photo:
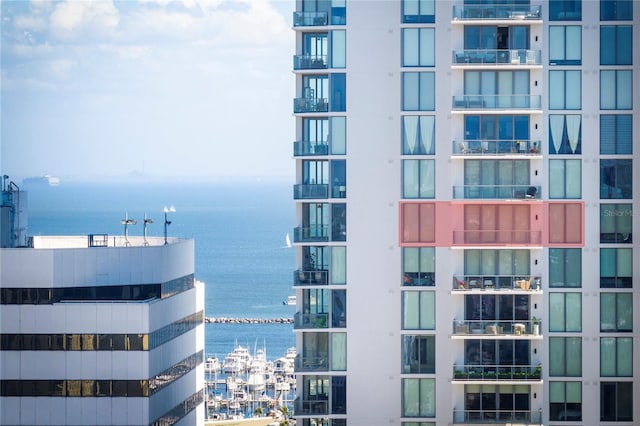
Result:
239,230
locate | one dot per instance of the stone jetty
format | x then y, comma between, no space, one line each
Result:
223,320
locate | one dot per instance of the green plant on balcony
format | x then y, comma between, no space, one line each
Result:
459,375
537,373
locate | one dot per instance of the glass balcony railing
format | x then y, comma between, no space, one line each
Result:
302,148
496,282
476,328
520,417
311,363
505,192
419,279
497,372
304,192
496,147
309,62
301,320
311,277
497,237
495,11
490,102
313,233
310,19
301,105
497,57
306,407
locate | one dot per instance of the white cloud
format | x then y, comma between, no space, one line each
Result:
72,20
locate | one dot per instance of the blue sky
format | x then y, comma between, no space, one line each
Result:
190,88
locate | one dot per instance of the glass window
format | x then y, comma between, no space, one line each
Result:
418,397
616,134
338,265
616,312
565,134
565,356
615,45
338,351
616,267
418,134
565,401
616,178
496,179
616,401
565,177
616,357
418,91
419,265
418,11
338,85
616,10
418,310
565,312
565,45
616,223
418,179
419,354
338,49
565,89
565,267
565,10
419,47
616,89
337,135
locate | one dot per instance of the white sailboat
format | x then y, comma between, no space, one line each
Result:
287,241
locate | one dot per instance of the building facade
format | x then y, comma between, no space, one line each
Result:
465,207
98,330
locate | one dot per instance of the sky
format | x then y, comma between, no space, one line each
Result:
147,88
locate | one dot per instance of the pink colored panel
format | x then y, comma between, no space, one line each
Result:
410,223
427,223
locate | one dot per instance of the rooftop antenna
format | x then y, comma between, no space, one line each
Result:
167,222
146,222
126,222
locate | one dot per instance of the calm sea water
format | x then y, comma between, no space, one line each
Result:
239,230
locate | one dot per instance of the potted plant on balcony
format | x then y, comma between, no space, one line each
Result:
536,326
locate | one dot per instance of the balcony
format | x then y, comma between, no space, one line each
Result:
310,62
302,105
501,147
478,57
504,417
498,237
492,192
310,19
301,320
496,329
496,102
309,234
465,283
497,373
310,407
306,192
311,363
303,148
311,277
479,12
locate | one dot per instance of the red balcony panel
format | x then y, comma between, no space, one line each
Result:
566,223
491,223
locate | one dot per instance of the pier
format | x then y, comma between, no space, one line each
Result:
223,320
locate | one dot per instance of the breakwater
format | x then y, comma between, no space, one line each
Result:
224,320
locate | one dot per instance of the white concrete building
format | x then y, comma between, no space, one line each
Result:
466,197
99,330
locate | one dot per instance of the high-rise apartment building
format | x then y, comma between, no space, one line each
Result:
465,206
97,330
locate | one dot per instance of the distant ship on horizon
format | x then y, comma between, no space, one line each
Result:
41,180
